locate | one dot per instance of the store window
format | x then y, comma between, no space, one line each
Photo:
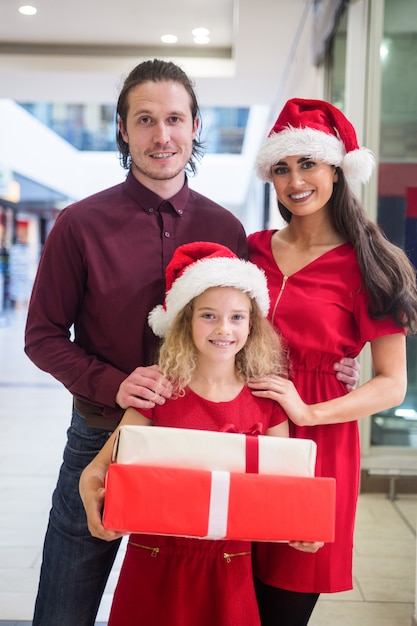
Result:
397,175
336,64
397,185
223,129
84,126
92,126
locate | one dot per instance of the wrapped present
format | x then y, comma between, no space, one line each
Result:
211,450
218,504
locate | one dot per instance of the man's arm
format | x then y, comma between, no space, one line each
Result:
65,275
57,298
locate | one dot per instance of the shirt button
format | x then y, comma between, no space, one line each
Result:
150,210
180,212
167,234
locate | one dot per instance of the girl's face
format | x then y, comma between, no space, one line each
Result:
221,322
302,185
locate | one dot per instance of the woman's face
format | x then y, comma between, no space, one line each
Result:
302,185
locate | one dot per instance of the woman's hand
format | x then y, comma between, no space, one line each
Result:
283,391
306,546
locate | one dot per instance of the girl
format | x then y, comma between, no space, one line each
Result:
335,283
215,338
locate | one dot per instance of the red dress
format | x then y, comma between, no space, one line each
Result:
321,312
176,581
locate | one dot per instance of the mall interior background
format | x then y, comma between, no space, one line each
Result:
59,80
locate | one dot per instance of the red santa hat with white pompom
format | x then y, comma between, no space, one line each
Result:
198,266
319,130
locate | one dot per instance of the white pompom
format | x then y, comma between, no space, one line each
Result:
358,165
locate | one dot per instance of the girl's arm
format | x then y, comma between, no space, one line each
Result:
280,430
92,479
386,389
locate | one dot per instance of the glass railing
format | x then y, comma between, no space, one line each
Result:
92,126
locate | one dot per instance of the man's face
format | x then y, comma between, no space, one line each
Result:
160,131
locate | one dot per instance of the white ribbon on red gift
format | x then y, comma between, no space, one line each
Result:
220,489
219,505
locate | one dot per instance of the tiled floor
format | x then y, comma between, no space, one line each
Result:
34,415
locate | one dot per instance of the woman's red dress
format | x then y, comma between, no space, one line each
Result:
322,313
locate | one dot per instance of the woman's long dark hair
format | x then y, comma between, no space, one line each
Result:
388,275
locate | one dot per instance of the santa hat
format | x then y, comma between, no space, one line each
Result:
316,129
198,266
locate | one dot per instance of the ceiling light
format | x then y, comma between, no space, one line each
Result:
27,9
201,32
201,40
169,39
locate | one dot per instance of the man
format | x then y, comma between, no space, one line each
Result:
101,271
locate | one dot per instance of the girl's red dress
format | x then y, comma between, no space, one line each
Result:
322,313
176,581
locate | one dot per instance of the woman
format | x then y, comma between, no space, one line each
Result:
335,283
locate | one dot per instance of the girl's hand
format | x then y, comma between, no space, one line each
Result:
306,546
283,391
93,504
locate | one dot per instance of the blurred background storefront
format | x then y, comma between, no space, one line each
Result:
381,85
59,81
57,126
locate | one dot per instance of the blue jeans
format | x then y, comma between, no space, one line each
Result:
75,565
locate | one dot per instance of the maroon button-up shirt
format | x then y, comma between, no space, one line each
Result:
101,271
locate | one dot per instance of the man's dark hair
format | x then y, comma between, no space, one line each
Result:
156,71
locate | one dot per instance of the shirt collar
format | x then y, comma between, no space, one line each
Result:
148,199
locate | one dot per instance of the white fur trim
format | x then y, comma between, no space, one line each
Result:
356,164
298,141
206,273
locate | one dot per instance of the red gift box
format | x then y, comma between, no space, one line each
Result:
218,504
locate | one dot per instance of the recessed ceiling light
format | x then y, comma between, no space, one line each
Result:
27,9
169,39
201,40
200,32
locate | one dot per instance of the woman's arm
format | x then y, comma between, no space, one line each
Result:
92,479
386,389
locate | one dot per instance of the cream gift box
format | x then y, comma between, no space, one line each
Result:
212,450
